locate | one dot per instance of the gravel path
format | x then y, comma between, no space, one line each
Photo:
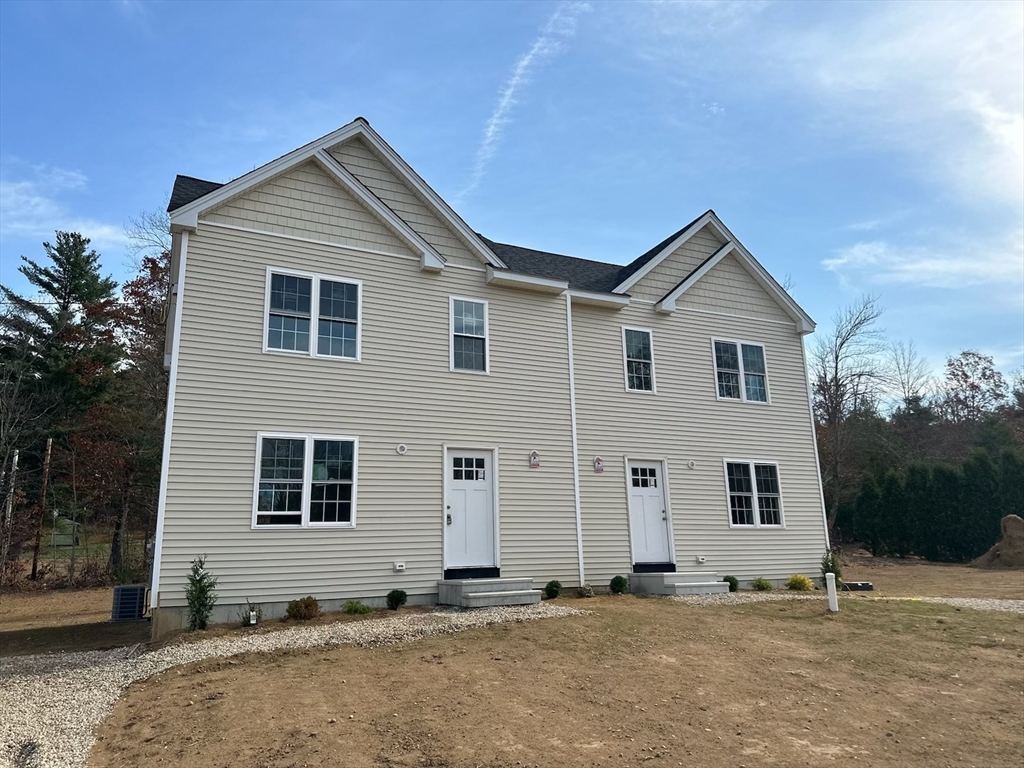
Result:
51,704
739,598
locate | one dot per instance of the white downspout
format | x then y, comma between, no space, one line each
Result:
575,448
814,440
179,291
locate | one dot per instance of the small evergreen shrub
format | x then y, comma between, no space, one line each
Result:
733,582
585,591
552,589
200,595
761,584
619,585
355,607
303,609
830,564
396,599
250,607
799,583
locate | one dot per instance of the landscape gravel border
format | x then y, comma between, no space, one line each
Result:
741,598
51,704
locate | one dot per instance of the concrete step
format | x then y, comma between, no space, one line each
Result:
690,577
451,591
505,597
699,588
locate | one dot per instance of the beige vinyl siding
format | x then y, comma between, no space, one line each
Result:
379,179
401,392
663,278
686,422
305,202
730,288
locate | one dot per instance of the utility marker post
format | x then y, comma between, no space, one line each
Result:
833,599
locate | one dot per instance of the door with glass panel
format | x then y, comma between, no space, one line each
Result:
469,513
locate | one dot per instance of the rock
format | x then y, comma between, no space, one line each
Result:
1008,552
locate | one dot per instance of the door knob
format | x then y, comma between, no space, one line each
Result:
449,518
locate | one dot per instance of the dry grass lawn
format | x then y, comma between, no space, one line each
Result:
640,682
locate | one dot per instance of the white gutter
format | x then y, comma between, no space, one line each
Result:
179,295
575,448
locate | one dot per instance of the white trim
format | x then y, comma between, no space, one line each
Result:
598,299
668,250
526,282
314,314
430,259
814,439
665,498
172,386
575,444
398,165
625,361
668,302
742,373
753,488
355,248
451,336
493,449
307,480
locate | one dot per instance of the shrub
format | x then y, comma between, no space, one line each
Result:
761,584
830,564
303,609
585,591
354,606
733,582
799,583
250,607
200,594
619,585
396,599
552,589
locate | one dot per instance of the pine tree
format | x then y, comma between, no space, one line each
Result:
978,527
895,523
946,512
920,513
1011,483
868,515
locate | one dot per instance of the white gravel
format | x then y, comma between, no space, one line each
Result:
50,704
739,598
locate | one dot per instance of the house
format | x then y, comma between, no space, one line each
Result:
366,394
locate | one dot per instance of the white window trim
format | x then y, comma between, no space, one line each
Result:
314,314
307,479
756,508
451,336
625,362
743,383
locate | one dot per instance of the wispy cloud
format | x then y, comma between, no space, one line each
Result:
957,266
559,27
31,206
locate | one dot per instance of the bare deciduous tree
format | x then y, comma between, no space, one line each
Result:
908,372
846,376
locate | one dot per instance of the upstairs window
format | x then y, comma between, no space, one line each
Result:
469,350
740,371
291,300
638,352
755,499
305,481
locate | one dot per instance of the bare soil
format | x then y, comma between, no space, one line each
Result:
893,577
639,682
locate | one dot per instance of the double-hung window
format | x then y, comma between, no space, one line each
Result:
468,336
313,314
638,359
755,499
740,371
305,481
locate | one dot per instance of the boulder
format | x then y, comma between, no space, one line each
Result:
1008,552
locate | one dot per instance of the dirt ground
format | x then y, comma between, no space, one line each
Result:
892,577
639,682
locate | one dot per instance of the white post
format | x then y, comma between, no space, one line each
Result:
833,599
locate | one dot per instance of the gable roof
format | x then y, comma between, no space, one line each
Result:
580,274
188,188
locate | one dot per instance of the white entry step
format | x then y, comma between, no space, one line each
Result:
485,593
665,583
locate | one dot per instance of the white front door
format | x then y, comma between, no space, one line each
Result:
648,513
469,517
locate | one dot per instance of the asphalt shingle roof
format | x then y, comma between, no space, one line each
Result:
581,274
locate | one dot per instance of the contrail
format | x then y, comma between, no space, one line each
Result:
560,26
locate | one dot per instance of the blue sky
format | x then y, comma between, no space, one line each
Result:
864,147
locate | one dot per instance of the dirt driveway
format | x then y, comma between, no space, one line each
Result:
641,682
